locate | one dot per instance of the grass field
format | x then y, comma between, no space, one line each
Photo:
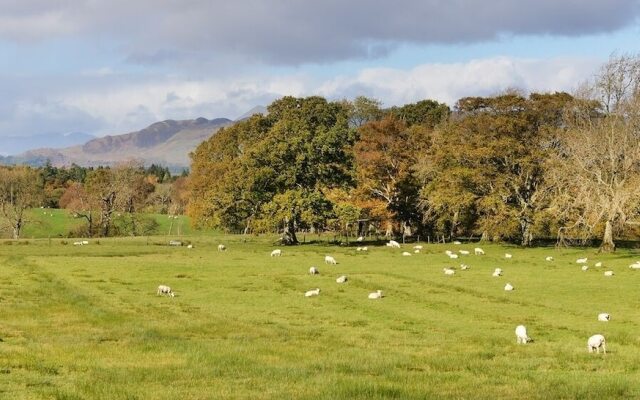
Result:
84,322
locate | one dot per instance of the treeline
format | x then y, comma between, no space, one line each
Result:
110,200
509,167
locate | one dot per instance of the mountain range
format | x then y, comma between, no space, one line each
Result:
166,143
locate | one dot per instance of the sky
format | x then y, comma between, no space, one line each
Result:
115,66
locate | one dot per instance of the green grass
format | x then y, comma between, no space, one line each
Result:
84,322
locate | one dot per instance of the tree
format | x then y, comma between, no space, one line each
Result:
101,185
76,199
19,190
363,110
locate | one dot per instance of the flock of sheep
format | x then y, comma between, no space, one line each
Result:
594,343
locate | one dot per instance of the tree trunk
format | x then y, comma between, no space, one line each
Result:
389,232
16,230
289,234
607,240
484,237
527,236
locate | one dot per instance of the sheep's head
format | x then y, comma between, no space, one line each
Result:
172,294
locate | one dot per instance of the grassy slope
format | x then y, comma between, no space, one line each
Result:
85,322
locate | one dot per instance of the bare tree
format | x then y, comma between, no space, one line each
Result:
19,191
617,81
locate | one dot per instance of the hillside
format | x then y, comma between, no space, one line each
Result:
168,143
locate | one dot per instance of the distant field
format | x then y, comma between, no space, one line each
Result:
49,222
84,322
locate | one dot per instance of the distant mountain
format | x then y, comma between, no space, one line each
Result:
252,112
18,144
166,143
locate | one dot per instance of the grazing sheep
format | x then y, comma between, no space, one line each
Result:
585,267
457,242
175,243
276,253
222,247
330,260
164,289
448,252
497,272
608,273
635,265
417,251
406,253
358,248
190,246
314,271
311,293
464,252
521,335
549,258
341,279
595,342
77,243
507,255
453,256
508,287
478,251
604,317
365,248
418,247
449,271
599,264
393,243
464,267
360,239
376,295
85,242
581,260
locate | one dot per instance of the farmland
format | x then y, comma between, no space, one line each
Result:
82,322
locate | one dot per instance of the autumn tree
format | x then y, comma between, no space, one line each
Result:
20,189
81,204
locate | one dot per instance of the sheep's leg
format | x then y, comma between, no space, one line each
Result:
604,348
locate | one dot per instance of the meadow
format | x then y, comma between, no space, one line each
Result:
84,322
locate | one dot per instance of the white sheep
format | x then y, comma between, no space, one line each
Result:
417,247
341,279
376,295
585,267
521,335
635,265
358,248
393,243
276,253
448,252
507,255
314,271
608,273
330,260
77,243
464,267
164,289
365,248
478,251
417,251
406,253
222,247
360,239
85,242
581,260
595,342
311,293
464,252
190,246
599,264
497,272
453,256
604,317
508,287
449,271
549,258
457,242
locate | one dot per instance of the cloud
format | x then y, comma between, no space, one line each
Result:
295,32
111,104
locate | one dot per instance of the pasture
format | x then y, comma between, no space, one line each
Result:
84,322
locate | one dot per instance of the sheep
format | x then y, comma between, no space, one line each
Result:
417,251
314,271
449,271
549,258
585,267
453,256
341,279
497,272
608,273
311,293
417,247
365,248
464,267
222,247
393,243
508,287
507,255
635,265
599,264
190,246
85,242
604,317
360,239
330,260
464,252
77,243
521,335
376,295
276,253
448,252
595,342
358,248
581,260
406,254
478,251
457,242
175,243
164,289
